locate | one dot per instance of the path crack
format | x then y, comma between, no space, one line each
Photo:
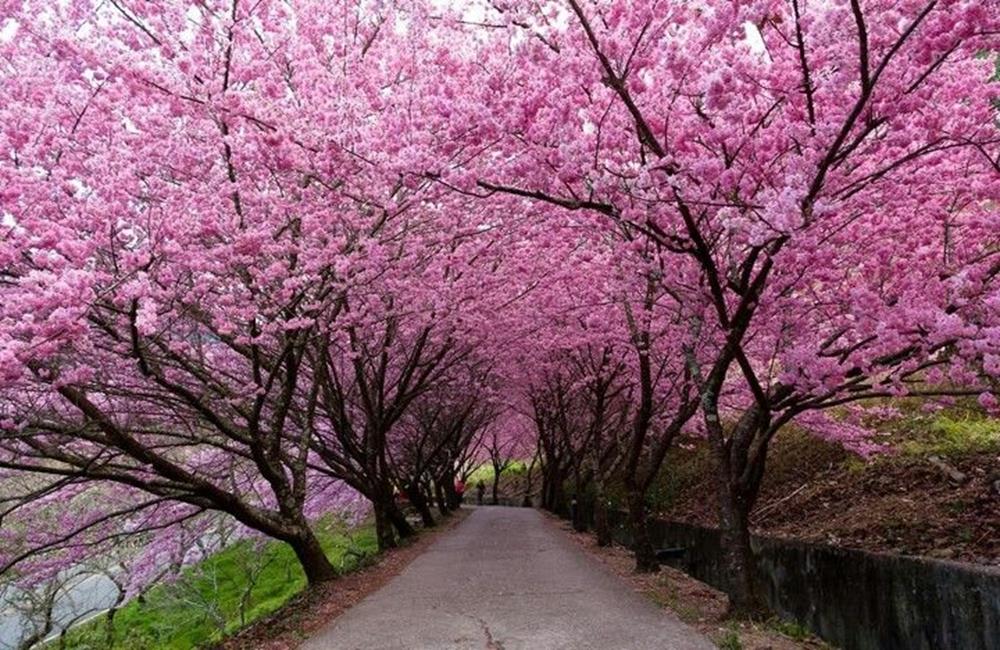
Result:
491,643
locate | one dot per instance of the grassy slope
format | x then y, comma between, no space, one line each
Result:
512,482
897,502
485,473
203,604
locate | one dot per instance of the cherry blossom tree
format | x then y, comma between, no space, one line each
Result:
178,227
58,537
824,176
222,283
440,436
609,392
260,257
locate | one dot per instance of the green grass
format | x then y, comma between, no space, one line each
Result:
203,604
485,472
953,434
730,640
791,629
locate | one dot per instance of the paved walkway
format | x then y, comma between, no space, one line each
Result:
506,579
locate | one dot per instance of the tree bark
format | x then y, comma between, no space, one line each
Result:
579,514
551,487
313,559
109,627
383,527
602,526
451,494
496,486
642,543
551,496
526,501
403,527
419,502
739,474
581,504
558,496
546,491
746,599
109,618
442,502
554,499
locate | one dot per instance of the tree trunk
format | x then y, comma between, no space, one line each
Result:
451,494
383,527
419,502
642,543
442,502
109,627
109,618
29,642
579,518
558,496
313,559
745,597
602,526
399,522
580,505
551,481
553,494
496,486
526,501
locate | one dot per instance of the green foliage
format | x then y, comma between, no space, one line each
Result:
950,434
223,593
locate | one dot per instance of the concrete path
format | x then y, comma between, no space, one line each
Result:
506,579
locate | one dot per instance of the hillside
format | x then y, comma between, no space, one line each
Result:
935,492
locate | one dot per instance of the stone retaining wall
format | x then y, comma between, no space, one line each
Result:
854,599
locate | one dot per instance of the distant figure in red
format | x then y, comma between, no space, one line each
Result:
460,489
